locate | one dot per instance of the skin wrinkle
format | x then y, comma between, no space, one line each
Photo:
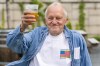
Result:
55,19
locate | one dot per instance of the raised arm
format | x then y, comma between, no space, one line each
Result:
18,41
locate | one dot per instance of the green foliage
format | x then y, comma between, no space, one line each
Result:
2,25
21,5
77,26
69,25
81,16
37,2
97,37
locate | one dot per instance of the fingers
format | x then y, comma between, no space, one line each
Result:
28,12
28,18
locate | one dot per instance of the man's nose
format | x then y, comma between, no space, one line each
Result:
54,21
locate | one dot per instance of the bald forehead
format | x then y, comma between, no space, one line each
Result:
55,7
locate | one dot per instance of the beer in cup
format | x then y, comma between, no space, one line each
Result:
33,10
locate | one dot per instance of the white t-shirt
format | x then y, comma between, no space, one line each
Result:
54,52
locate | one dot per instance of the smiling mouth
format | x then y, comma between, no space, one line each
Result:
55,25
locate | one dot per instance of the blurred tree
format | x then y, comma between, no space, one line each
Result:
97,37
69,25
77,26
81,16
2,25
21,5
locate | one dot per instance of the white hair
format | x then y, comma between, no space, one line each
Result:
56,4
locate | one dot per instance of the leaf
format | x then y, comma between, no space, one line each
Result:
3,19
21,5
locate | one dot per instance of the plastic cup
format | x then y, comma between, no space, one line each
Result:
33,9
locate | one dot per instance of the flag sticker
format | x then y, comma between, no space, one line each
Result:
64,53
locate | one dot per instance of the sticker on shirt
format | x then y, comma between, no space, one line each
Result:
77,53
64,53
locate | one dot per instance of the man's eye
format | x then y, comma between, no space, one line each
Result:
50,18
58,18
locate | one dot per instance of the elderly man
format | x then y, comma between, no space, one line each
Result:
50,45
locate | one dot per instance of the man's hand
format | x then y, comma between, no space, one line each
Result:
27,19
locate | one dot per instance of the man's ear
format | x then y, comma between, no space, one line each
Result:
66,20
